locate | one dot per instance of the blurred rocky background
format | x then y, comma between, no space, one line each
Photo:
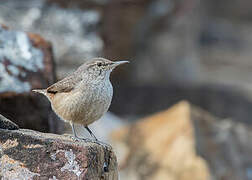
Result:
199,51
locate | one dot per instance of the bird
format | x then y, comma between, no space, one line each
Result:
83,96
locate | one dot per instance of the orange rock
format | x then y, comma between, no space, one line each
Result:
161,146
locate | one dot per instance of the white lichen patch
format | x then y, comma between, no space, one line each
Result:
17,48
14,70
10,83
53,178
12,169
53,156
71,164
9,144
17,51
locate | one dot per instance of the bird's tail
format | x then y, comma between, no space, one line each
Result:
41,91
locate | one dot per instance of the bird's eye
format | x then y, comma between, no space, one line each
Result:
99,64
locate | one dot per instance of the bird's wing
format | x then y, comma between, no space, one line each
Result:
65,85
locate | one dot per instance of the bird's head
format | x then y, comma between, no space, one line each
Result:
99,68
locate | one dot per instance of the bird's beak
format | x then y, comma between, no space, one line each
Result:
117,63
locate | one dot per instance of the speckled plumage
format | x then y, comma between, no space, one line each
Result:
84,96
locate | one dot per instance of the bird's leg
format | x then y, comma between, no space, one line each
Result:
96,140
90,132
74,132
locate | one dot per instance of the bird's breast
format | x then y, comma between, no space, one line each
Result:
96,103
86,104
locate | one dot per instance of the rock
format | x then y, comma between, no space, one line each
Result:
224,144
7,124
169,141
26,62
161,146
27,154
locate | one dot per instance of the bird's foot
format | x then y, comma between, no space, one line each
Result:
106,145
88,140
78,139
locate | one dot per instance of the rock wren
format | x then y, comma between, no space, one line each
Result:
85,95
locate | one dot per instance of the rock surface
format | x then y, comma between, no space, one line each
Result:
160,147
27,154
26,63
7,124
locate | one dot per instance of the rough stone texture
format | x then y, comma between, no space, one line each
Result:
27,154
26,62
7,124
161,146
